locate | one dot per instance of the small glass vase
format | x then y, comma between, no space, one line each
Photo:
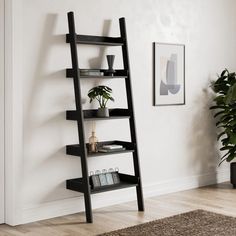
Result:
93,143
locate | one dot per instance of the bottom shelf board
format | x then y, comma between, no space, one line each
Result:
126,181
121,185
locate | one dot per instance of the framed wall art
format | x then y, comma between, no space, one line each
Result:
169,74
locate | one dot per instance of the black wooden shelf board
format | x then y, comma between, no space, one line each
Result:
119,74
115,113
96,40
126,181
74,149
102,77
108,153
107,118
121,185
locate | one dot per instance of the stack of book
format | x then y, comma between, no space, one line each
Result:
91,72
111,148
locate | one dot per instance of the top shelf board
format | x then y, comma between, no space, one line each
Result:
70,73
96,40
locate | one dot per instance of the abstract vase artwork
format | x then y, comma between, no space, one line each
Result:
169,74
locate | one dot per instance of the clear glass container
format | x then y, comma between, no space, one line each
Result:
93,143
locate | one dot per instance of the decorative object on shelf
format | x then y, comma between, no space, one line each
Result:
115,176
110,62
111,148
225,105
94,180
109,176
103,112
91,72
169,74
93,141
102,94
104,178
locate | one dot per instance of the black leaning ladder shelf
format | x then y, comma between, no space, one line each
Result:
82,184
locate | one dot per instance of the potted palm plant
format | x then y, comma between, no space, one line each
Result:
225,105
102,94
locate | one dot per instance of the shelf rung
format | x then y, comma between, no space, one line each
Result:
75,150
126,181
75,184
96,40
116,113
118,74
97,154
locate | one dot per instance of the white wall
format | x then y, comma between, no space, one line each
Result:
2,111
176,144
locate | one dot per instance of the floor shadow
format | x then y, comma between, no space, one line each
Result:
224,185
69,223
115,211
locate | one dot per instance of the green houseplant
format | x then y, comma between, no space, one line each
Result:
102,94
225,106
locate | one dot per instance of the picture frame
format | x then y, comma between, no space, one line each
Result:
169,74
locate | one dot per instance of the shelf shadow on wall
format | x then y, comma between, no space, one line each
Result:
202,141
41,79
59,193
96,62
44,117
50,167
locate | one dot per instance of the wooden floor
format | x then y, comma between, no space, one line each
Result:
218,198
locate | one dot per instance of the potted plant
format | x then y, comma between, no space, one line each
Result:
102,94
225,105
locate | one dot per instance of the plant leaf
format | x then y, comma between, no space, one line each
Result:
219,113
220,135
217,107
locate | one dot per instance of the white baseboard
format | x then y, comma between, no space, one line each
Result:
75,205
185,183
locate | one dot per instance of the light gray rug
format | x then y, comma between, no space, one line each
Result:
193,223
